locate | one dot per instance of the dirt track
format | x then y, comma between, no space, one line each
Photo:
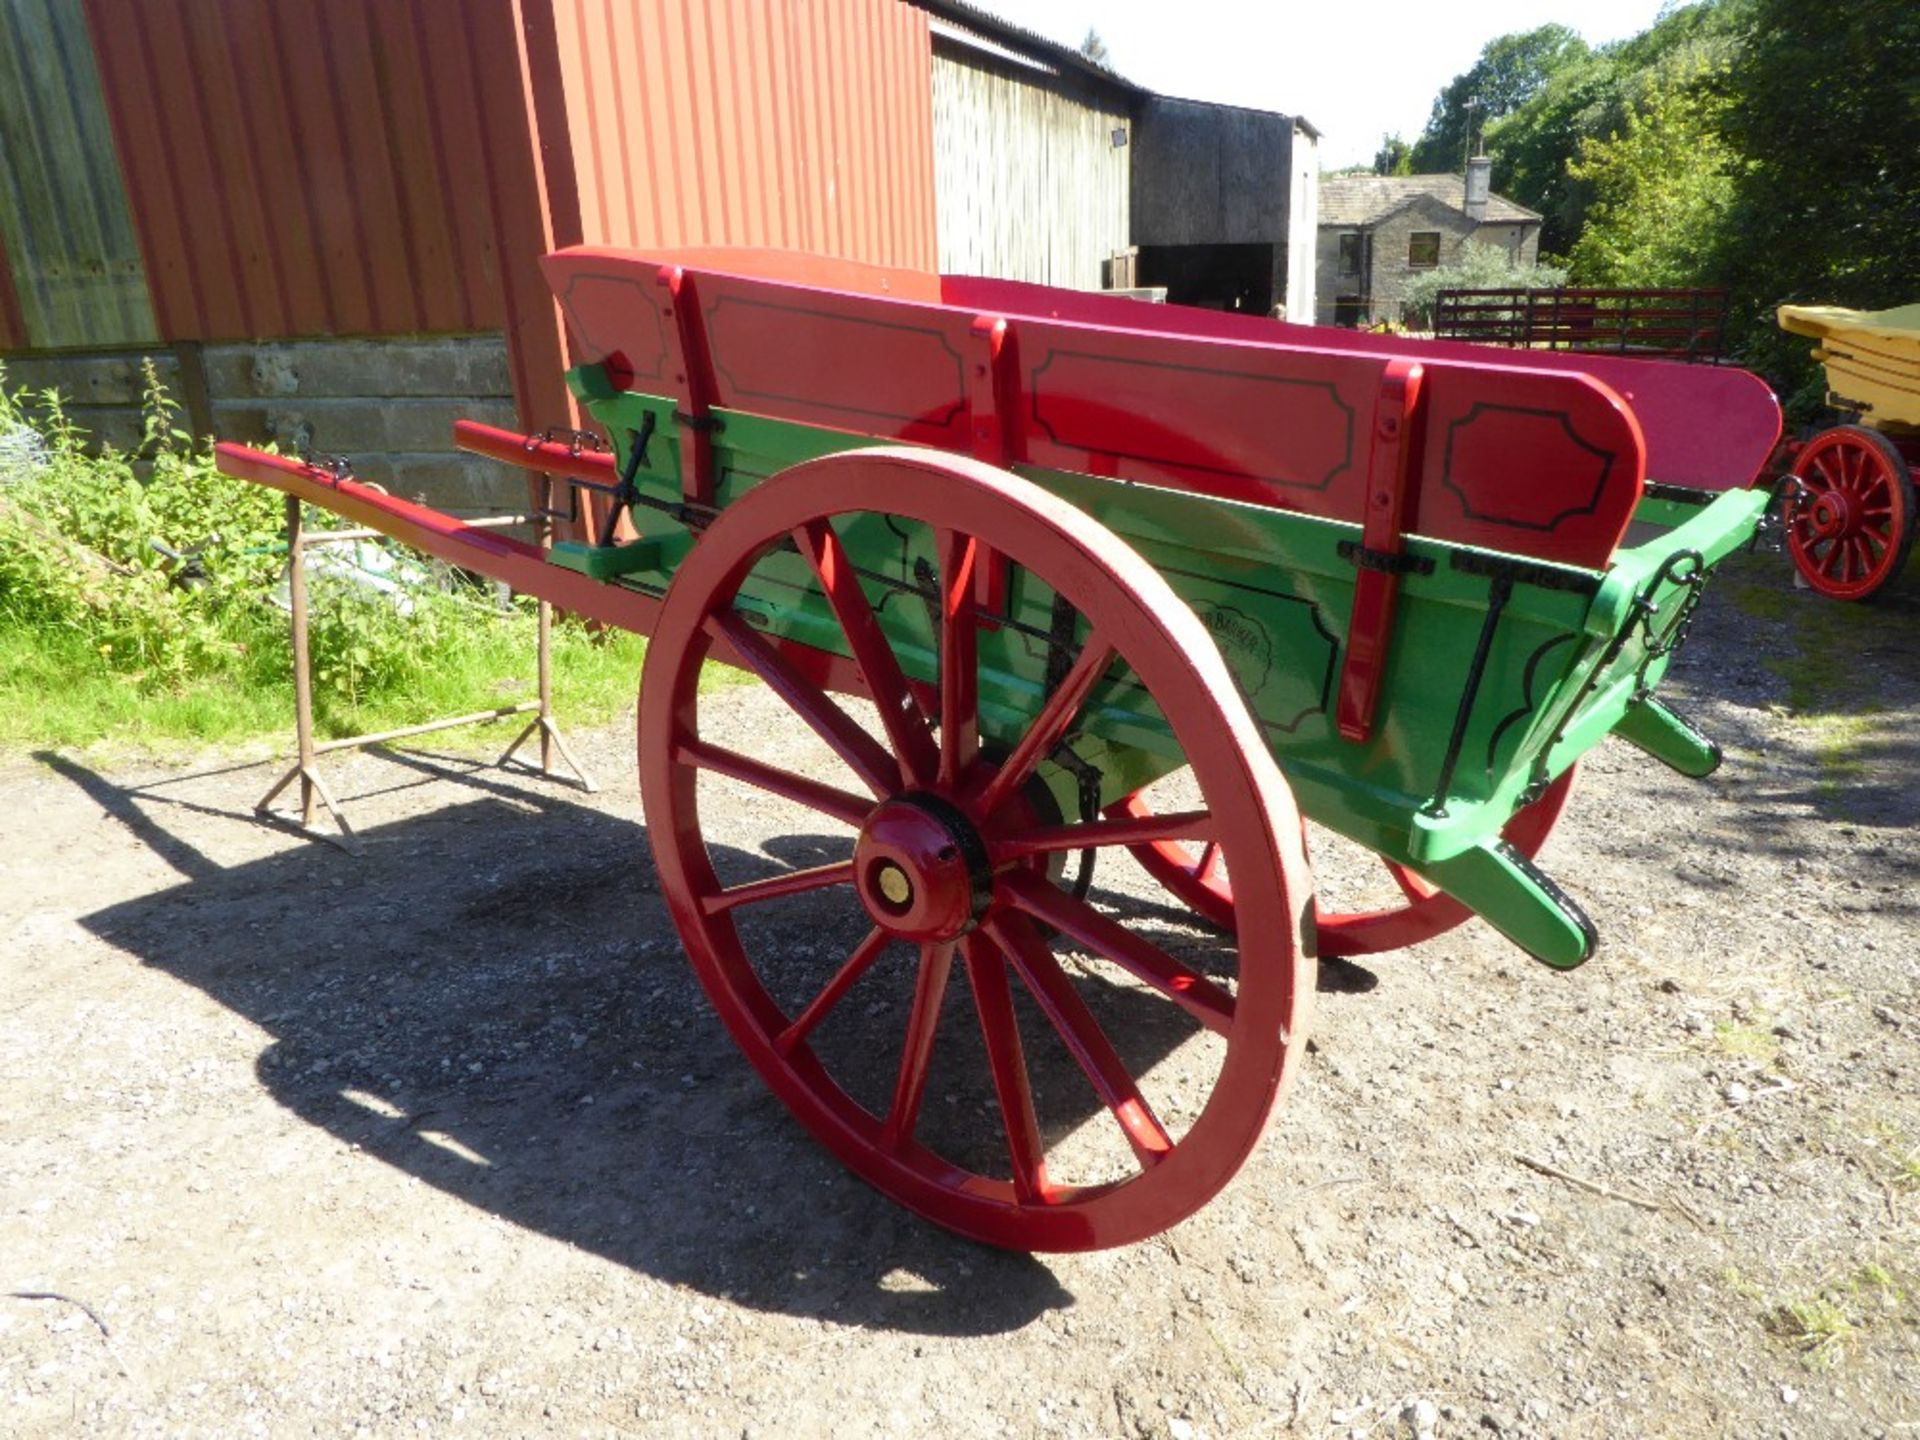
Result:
446,1140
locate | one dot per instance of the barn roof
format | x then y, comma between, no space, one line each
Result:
1025,43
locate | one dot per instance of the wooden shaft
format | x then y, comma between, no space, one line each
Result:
545,658
302,675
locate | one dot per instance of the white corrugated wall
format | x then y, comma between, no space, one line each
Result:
1028,182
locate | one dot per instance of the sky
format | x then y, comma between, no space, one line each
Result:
1358,69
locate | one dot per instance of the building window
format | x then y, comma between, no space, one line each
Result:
1349,254
1423,249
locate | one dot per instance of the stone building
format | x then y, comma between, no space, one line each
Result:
1378,233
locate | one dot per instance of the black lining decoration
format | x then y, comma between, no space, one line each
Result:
1333,394
1328,675
586,331
942,420
1527,703
1605,457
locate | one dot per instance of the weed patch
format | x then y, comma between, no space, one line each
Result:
142,601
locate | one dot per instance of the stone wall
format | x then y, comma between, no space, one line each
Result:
1389,241
387,404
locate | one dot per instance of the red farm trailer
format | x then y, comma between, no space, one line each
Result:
1041,576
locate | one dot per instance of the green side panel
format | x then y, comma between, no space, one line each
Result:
1568,653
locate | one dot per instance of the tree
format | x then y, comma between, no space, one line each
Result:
1477,267
1510,71
1095,49
1661,187
1394,157
1824,105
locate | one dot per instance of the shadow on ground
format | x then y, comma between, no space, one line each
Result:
492,999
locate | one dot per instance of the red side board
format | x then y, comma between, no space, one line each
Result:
1540,461
1707,428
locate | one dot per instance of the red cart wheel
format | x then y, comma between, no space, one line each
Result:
1850,522
937,863
1200,882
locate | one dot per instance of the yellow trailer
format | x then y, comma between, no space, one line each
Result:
1850,513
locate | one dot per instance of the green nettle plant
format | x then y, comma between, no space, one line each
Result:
78,551
153,578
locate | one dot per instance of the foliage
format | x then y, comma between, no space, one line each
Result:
1394,157
1588,94
1660,188
1511,70
1095,49
77,551
1479,267
101,632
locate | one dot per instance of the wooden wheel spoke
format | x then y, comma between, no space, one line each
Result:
916,1054
905,721
960,558
1050,726
1096,834
1209,867
864,755
842,805
1081,1033
993,1002
1411,883
1140,958
794,882
857,964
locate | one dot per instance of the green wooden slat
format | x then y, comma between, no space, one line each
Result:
63,211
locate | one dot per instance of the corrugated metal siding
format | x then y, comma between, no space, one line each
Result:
1030,184
66,240
801,125
13,327
314,169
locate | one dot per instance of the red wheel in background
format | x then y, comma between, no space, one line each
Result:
1850,520
1199,880
930,874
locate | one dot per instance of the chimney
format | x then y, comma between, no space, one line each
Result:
1479,186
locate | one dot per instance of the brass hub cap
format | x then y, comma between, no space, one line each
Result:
921,869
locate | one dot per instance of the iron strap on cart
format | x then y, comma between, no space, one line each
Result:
1046,575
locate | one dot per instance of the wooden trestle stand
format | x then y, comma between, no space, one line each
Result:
306,770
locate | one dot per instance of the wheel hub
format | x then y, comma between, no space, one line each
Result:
921,869
1832,516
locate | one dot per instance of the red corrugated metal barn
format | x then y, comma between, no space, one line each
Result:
324,218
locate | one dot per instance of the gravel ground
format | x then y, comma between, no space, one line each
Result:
445,1139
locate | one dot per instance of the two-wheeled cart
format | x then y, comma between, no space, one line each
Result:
1037,577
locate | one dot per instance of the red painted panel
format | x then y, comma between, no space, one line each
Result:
1266,426
1533,461
880,367
1705,427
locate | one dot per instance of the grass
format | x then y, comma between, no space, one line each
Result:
1755,1042
58,692
106,642
1824,1325
1830,697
